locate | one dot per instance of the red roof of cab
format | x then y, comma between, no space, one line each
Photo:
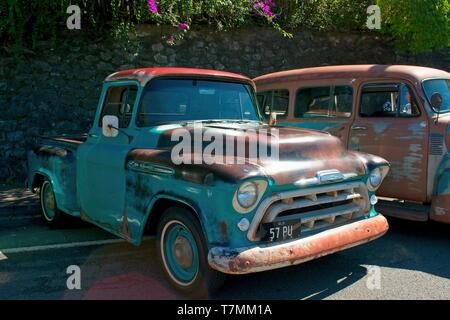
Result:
144,75
355,71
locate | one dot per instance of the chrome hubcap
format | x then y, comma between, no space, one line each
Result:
49,199
183,252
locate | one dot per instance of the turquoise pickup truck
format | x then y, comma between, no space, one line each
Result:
308,197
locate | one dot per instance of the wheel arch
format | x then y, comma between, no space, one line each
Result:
159,205
39,177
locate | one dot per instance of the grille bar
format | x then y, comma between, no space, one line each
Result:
326,217
270,209
308,201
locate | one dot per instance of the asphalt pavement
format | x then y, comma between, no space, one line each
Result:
412,261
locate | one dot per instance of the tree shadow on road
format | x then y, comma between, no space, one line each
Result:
418,246
316,280
408,245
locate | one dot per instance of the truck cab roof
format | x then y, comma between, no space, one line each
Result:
143,75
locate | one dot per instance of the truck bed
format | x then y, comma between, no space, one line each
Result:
71,139
54,158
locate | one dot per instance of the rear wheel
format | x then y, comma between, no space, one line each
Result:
50,212
183,254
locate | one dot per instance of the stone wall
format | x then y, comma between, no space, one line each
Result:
56,91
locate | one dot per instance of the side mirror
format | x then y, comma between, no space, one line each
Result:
273,119
109,126
436,101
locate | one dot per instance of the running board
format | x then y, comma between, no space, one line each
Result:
404,210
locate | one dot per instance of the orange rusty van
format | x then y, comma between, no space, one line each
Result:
401,113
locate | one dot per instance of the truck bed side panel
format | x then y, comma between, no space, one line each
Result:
57,161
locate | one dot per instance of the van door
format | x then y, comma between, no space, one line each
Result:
325,108
390,124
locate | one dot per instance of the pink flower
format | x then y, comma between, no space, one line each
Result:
264,7
152,6
183,26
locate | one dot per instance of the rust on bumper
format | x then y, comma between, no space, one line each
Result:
274,256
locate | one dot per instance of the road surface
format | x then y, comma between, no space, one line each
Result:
411,262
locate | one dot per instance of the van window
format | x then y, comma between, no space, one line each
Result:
388,101
274,101
324,102
119,102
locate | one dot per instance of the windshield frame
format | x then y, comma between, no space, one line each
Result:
428,98
247,84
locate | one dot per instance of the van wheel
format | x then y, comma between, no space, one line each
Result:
50,212
183,253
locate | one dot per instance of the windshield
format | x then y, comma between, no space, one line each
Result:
441,86
180,100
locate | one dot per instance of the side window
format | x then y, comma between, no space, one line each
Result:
388,101
342,104
264,102
274,101
119,102
324,102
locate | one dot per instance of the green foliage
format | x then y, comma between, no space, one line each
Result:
342,15
24,21
417,25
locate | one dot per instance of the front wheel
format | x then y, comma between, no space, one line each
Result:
50,212
183,254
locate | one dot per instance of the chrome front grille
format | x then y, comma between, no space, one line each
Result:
316,208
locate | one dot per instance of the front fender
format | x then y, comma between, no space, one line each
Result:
371,161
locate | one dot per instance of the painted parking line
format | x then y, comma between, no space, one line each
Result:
67,245
61,246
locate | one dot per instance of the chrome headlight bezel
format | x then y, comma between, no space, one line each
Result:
258,186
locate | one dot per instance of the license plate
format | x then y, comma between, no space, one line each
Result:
281,230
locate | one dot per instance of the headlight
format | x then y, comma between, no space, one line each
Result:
376,177
247,195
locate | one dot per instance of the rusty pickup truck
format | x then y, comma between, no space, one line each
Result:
400,113
209,218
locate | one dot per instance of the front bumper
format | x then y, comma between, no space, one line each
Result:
279,255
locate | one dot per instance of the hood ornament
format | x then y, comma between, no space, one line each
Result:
328,176
324,177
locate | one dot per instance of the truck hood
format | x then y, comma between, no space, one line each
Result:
302,154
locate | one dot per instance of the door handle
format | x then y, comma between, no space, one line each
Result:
359,128
91,135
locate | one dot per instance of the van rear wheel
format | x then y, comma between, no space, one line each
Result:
50,212
182,251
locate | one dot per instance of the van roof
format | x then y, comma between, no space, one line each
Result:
143,75
413,73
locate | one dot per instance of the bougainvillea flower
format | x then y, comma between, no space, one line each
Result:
183,26
264,7
152,6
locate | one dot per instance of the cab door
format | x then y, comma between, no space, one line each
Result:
101,160
324,107
389,123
